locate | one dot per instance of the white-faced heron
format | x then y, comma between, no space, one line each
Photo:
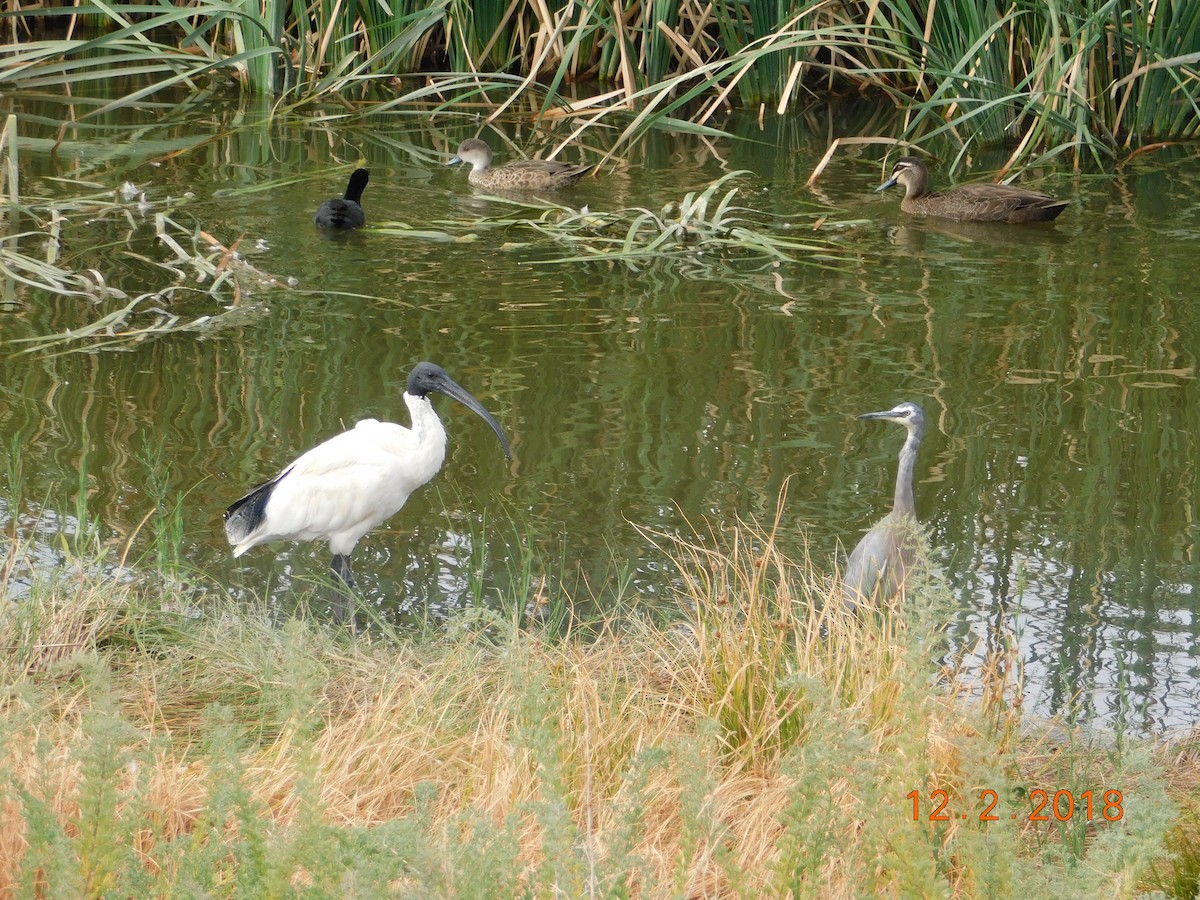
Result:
884,557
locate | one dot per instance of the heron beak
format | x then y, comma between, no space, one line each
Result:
452,389
454,161
882,414
891,182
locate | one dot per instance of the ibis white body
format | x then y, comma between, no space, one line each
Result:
341,489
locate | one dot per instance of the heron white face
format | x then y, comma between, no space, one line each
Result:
908,414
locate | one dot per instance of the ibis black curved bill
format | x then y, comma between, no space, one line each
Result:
452,389
428,378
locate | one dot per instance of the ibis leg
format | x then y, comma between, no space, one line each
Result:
343,602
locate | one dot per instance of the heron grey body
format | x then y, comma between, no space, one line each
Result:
345,212
883,559
344,487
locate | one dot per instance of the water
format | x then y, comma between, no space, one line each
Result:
1056,365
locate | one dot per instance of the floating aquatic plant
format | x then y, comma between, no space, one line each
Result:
704,225
196,263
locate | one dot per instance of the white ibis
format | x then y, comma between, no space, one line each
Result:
883,558
346,211
341,489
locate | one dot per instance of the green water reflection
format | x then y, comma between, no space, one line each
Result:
1057,368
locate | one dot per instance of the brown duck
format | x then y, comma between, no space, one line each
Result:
522,175
969,202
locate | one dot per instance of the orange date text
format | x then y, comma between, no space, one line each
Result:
1041,806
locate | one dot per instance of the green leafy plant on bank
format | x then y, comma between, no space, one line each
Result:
755,747
758,745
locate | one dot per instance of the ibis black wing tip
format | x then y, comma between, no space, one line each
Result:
245,515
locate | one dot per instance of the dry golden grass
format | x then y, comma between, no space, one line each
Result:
763,748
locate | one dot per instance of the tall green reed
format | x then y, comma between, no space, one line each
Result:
1088,77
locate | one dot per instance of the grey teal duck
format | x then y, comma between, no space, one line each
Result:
522,175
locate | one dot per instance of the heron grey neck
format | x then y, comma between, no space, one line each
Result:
903,504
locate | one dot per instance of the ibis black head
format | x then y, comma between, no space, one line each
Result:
427,378
907,414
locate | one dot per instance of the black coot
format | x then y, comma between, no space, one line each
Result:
345,211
